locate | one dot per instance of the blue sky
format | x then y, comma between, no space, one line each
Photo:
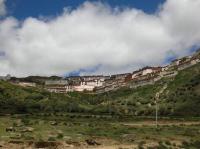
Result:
83,70
22,9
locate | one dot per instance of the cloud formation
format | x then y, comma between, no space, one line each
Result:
96,35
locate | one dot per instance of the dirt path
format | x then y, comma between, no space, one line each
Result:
63,145
115,147
162,123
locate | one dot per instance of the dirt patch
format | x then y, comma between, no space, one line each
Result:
45,144
73,143
115,147
92,142
16,142
162,123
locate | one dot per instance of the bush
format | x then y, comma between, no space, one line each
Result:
51,139
185,144
168,143
28,137
60,136
26,121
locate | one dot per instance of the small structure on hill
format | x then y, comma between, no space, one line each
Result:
5,78
88,85
27,84
58,86
146,70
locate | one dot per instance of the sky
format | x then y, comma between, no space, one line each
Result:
36,8
78,37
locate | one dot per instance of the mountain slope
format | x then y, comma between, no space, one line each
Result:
181,97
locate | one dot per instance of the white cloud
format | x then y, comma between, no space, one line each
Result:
95,34
2,8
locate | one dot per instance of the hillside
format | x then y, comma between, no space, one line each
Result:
181,97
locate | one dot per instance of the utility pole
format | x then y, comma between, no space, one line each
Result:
156,114
156,102
109,104
157,97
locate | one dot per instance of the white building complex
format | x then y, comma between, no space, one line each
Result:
64,86
88,85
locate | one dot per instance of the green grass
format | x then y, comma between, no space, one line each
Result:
84,128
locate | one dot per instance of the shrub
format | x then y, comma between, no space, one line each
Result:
185,144
26,121
168,142
28,137
60,136
51,139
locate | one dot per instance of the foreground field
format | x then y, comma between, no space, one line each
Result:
64,131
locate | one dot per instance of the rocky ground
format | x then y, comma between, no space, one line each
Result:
87,144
